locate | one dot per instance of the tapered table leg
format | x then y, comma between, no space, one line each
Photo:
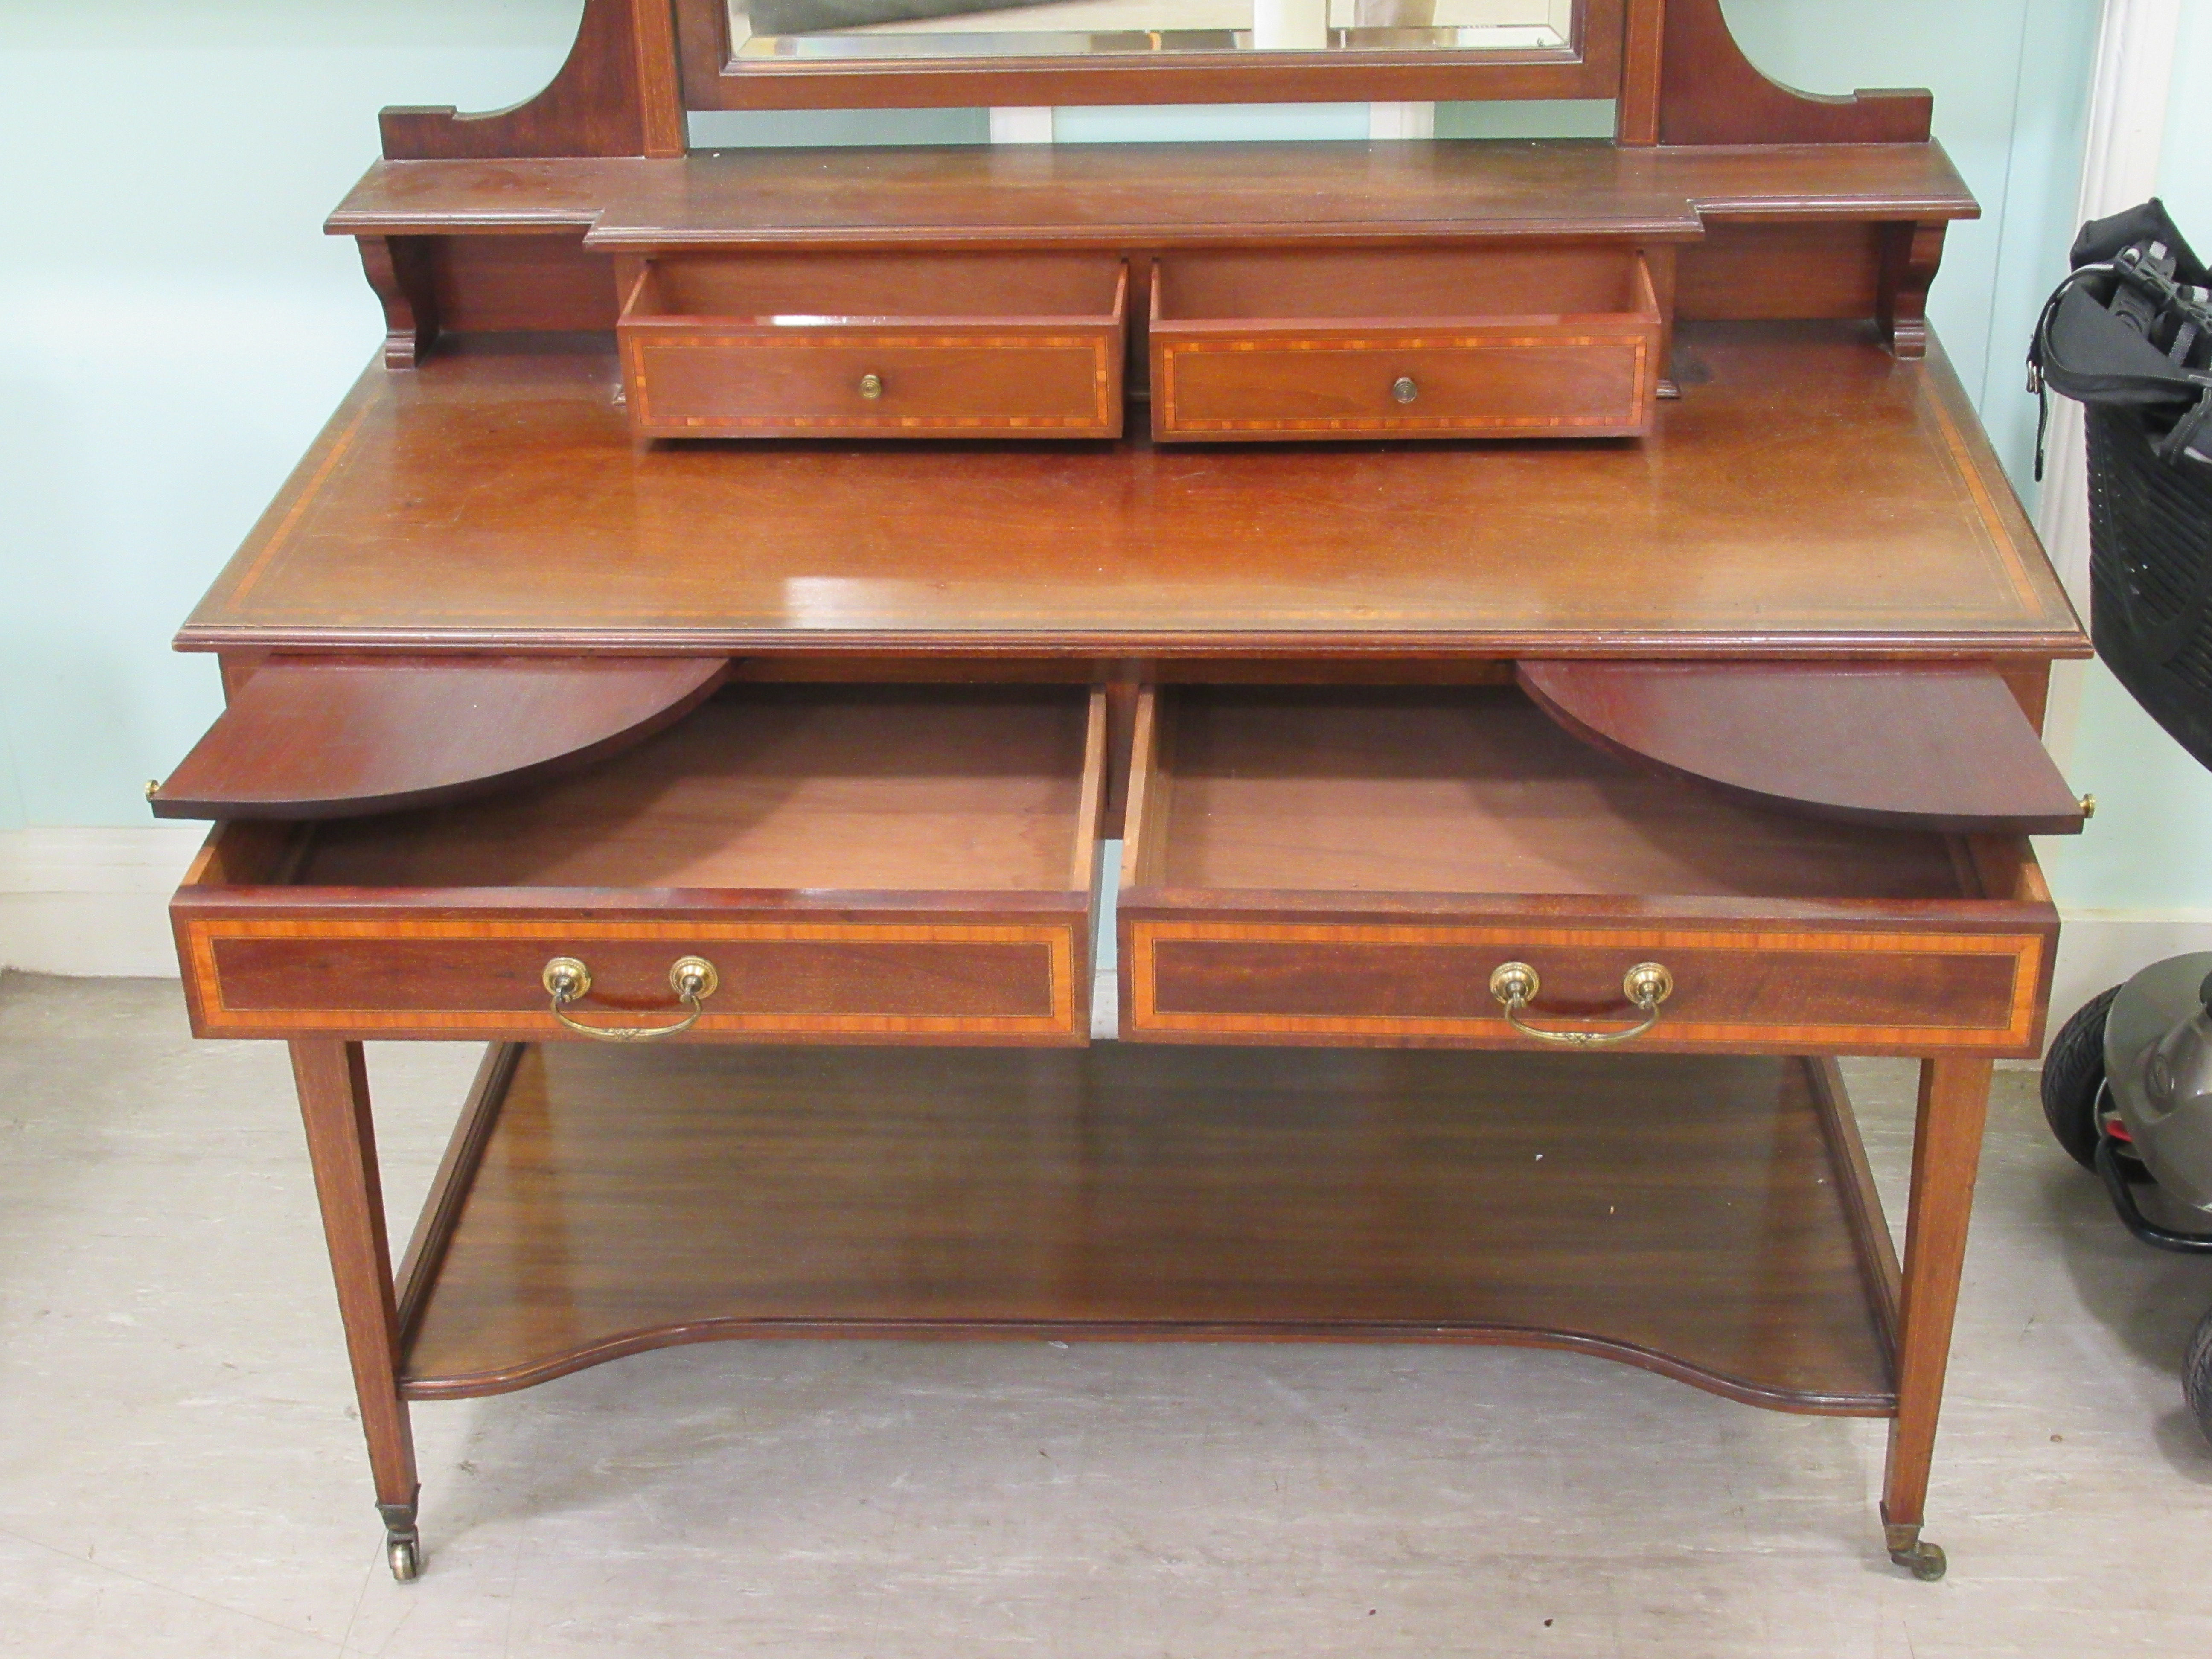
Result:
1947,1150
333,1082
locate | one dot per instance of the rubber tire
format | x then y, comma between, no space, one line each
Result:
2196,1375
2073,1079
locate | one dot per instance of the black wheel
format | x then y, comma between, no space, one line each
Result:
2196,1375
2073,1079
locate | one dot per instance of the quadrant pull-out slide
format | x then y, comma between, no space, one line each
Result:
1942,749
304,739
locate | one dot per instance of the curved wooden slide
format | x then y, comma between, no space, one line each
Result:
317,739
1943,748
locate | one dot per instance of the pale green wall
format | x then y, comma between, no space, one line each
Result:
2151,844
180,329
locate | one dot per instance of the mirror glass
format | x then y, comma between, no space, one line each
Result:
1071,28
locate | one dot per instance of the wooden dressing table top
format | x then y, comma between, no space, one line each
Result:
1809,494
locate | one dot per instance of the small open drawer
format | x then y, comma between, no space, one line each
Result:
890,864
1355,866
877,345
1560,341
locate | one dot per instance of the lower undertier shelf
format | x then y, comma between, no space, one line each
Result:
1709,1218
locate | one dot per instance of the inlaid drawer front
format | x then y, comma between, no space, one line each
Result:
875,346
1471,345
1448,866
1730,988
1473,383
849,981
842,381
801,863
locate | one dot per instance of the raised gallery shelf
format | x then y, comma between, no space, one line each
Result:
1709,1218
1111,194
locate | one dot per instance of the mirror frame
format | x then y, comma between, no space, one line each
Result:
713,77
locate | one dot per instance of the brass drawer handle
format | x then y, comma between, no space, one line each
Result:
692,978
1404,389
872,386
1647,985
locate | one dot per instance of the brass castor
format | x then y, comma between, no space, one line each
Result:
402,1545
1925,1560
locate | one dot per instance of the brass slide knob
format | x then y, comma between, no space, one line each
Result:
1404,389
872,386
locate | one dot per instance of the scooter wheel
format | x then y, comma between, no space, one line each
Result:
2196,1375
2073,1079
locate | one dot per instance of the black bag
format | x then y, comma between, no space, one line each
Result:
2130,335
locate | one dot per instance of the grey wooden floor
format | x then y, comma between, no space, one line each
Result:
181,1473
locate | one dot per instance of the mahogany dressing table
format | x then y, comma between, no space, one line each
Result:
1541,619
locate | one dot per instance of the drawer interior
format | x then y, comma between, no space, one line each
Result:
800,289
1385,283
866,789
1469,791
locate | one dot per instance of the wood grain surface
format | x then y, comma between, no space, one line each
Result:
1113,197
858,864
617,94
1561,342
1711,94
1473,790
812,788
332,1081
1680,1215
1316,867
1934,749
861,345
1946,1152
1812,495
311,738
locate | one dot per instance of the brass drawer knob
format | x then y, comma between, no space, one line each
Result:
567,980
1404,389
872,386
1648,984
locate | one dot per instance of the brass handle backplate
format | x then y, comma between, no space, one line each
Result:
1648,984
872,386
567,980
1404,389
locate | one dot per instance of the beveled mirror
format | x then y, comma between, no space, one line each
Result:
1071,28
816,53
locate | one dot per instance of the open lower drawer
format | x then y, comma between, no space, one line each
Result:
853,864
1356,866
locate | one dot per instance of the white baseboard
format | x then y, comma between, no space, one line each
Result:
2098,948
92,902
